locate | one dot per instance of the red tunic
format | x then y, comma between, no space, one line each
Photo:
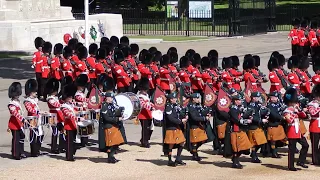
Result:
248,78
123,80
146,72
216,84
312,37
146,106
293,35
316,79
16,118
184,76
196,80
55,68
31,106
164,79
156,80
67,68
54,107
70,117
292,116
275,82
226,77
314,110
92,62
294,80
37,61
303,40
81,68
81,100
236,73
99,69
306,87
45,67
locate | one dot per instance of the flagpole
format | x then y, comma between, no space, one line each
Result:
86,17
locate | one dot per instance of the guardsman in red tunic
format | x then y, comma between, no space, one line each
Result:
275,81
32,107
155,65
189,54
316,69
70,120
257,73
91,64
81,67
207,76
248,65
54,105
165,76
312,36
293,35
305,86
282,61
16,121
147,71
122,78
226,76
46,62
292,115
314,127
184,74
134,50
234,72
196,76
303,38
293,78
173,56
66,65
215,72
100,67
145,116
37,61
56,61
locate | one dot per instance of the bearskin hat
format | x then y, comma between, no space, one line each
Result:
304,63
58,49
214,62
281,60
165,60
296,22
247,56
274,54
152,50
82,80
101,54
73,43
157,56
226,62
104,39
124,40
249,62
14,90
173,57
205,62
82,52
235,61
148,58
189,53
30,86
143,84
293,62
47,47
316,90
213,53
184,62
142,54
68,91
108,84
256,60
52,86
196,59
114,40
93,48
316,63
314,25
172,49
304,23
38,42
66,80
101,78
291,96
67,52
126,50
273,63
134,49
78,45
118,56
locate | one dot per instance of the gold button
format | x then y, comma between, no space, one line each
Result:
238,137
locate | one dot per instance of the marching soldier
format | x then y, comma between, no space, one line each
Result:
239,139
134,50
122,77
314,127
46,62
257,73
226,76
147,71
293,78
303,74
81,67
196,76
275,129
111,114
16,121
316,69
54,105
234,72
256,134
70,123
207,76
31,105
174,122
303,39
66,64
312,37
91,64
145,116
165,75
56,71
293,35
37,62
215,72
275,81
184,74
249,64
292,114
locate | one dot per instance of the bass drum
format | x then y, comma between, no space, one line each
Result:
131,104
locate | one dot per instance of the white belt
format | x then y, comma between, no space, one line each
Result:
39,62
68,71
84,73
254,83
296,125
229,82
164,79
55,109
199,79
275,84
296,85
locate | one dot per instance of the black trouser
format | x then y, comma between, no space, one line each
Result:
35,142
146,131
315,137
39,81
130,87
135,83
17,143
71,146
54,139
295,49
304,50
43,85
123,89
90,85
62,139
84,141
292,149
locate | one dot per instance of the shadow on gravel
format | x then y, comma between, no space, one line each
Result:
5,156
158,162
63,158
16,68
98,160
209,151
221,164
274,166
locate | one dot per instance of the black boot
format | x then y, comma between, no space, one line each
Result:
302,165
254,157
178,159
275,154
111,158
170,162
196,157
236,163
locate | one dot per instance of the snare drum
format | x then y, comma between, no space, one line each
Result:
131,104
95,114
86,128
157,117
30,122
83,114
49,119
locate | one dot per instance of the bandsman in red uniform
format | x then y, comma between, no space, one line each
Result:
54,105
282,61
275,81
207,76
100,65
257,73
16,121
165,76
66,66
122,78
134,51
184,74
293,35
155,65
316,69
314,127
70,120
145,116
303,38
196,76
147,71
213,53
173,56
32,107
81,67
133,59
312,37
234,72
215,72
124,40
46,62
56,70
189,54
37,61
248,65
91,64
302,72
225,75
293,78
